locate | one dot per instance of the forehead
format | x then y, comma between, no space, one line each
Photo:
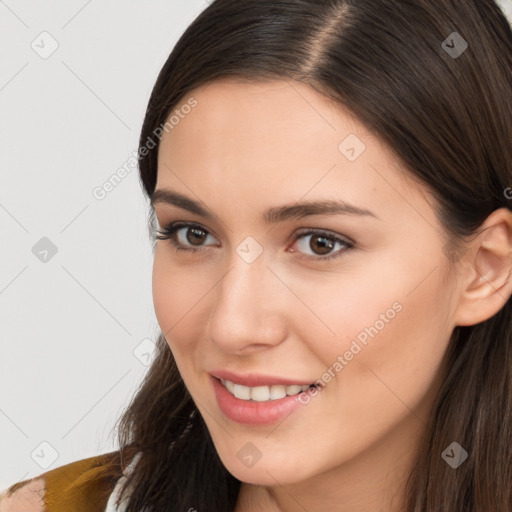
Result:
288,110
278,140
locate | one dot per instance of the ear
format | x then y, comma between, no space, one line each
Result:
486,279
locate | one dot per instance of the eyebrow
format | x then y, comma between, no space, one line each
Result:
272,215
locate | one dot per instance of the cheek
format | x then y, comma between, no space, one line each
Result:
174,289
391,330
164,296
348,309
395,311
392,353
388,369
179,302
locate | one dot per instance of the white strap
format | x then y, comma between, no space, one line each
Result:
111,507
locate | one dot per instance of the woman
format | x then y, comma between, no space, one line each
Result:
330,188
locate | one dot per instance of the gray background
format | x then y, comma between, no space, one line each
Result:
70,324
77,325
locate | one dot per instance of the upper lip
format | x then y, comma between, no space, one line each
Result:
256,379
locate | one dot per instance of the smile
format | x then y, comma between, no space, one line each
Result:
263,393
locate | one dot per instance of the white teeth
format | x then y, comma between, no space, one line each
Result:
293,390
229,385
242,392
262,393
277,392
259,393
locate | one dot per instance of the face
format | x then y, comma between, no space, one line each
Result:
354,300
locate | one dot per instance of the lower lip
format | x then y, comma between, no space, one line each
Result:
251,412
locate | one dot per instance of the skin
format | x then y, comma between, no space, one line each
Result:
244,148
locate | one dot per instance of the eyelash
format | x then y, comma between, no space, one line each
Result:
168,232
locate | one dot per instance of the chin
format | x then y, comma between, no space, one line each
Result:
267,472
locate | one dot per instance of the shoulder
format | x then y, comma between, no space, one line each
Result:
73,486
25,496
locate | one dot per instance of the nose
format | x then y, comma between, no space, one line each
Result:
248,308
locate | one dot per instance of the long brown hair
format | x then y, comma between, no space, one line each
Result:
448,118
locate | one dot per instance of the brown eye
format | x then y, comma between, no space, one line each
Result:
321,244
194,236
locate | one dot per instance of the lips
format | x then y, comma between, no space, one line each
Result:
255,379
260,399
251,412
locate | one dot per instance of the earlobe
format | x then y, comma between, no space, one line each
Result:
487,283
